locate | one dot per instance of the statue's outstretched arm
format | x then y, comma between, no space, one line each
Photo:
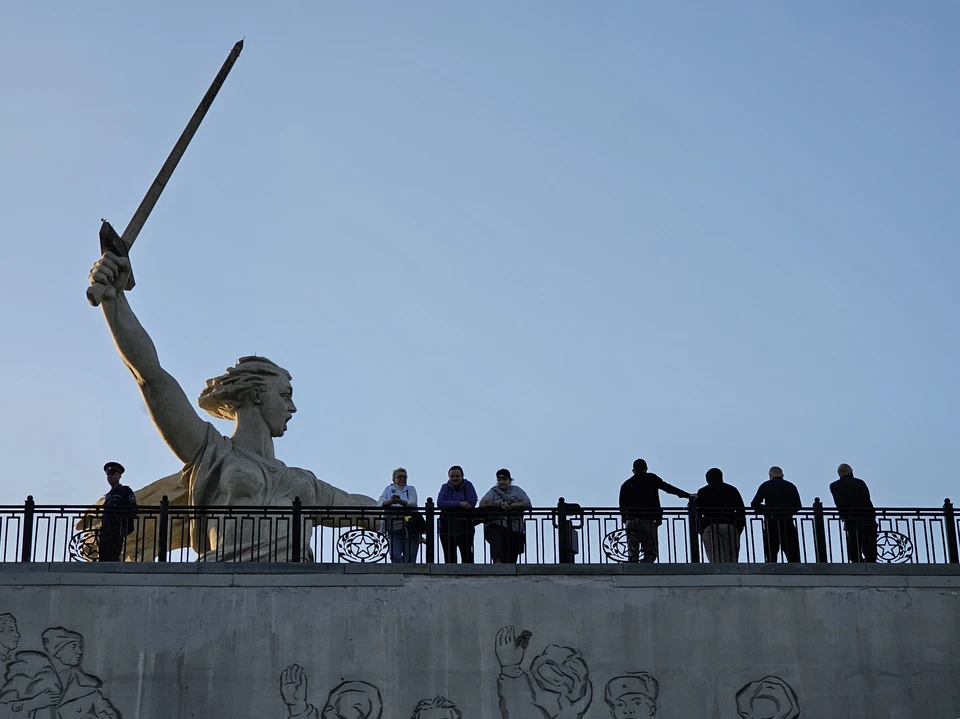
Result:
171,411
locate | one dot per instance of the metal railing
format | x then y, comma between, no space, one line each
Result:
567,533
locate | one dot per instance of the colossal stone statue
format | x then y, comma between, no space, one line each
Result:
218,471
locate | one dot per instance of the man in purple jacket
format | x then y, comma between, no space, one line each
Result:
456,502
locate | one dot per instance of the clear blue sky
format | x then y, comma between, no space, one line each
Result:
549,236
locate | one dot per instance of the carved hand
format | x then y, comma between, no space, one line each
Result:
508,653
293,688
112,271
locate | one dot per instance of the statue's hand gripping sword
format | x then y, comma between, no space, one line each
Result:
120,244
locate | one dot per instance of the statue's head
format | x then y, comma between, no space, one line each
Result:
9,635
436,708
63,645
353,700
253,381
563,672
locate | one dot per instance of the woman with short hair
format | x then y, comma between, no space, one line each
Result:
505,532
404,541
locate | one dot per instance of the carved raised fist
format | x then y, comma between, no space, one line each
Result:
111,271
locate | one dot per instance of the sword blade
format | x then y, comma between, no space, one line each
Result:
129,235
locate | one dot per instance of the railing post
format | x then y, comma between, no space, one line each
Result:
563,527
953,551
819,532
296,532
26,546
163,535
431,531
693,522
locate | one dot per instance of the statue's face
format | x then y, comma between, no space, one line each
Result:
276,405
70,654
9,636
634,706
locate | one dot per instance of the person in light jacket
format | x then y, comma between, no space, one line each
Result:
397,496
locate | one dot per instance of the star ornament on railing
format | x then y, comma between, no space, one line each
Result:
616,545
894,547
85,546
362,545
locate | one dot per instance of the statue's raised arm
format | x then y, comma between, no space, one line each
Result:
171,411
236,471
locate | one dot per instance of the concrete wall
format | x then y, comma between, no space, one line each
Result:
195,641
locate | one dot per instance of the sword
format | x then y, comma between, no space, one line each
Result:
120,244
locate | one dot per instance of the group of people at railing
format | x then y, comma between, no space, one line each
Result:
716,511
720,514
457,500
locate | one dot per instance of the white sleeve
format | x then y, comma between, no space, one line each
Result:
386,494
412,496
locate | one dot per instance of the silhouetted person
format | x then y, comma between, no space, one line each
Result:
640,508
779,501
722,518
852,498
119,515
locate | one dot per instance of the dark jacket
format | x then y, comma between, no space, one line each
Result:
852,498
777,498
453,517
119,511
640,496
721,503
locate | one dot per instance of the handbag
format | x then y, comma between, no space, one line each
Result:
415,523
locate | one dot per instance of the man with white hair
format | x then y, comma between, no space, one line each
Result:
852,497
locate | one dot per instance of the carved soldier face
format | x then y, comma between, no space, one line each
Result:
70,654
634,706
9,635
276,405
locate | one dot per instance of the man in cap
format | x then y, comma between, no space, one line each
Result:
54,680
119,513
632,696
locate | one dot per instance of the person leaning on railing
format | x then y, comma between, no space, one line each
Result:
779,501
722,518
641,512
119,515
852,497
505,531
404,541
456,500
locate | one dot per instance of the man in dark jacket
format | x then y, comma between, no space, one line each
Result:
640,508
119,515
722,518
852,498
779,501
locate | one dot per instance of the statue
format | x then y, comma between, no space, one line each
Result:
219,471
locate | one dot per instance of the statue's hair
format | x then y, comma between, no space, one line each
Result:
438,702
223,395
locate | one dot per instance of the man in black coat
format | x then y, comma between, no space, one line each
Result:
852,498
722,518
779,501
119,515
640,508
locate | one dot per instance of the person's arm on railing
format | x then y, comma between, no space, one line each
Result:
757,502
471,495
675,491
